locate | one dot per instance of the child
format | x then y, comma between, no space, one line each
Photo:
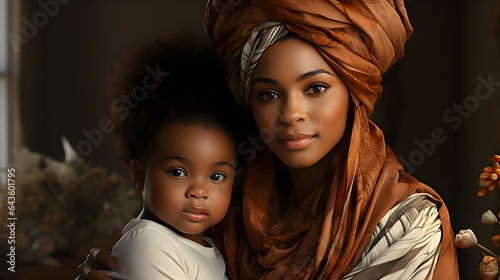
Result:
182,159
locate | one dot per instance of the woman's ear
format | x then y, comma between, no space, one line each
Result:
138,174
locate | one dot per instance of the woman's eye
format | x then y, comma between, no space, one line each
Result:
316,89
268,95
177,173
218,177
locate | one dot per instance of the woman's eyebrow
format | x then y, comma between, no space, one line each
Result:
300,78
265,80
312,73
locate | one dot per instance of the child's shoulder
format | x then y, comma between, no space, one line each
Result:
149,235
145,232
149,249
143,226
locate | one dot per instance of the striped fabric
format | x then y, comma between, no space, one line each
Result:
404,245
244,62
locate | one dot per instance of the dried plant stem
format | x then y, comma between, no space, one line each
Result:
76,183
488,251
52,188
30,181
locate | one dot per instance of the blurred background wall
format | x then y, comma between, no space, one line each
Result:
58,78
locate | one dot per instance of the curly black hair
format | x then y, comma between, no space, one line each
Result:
176,80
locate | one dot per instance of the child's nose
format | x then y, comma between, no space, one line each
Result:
197,191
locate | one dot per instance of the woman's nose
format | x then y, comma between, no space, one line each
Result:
294,110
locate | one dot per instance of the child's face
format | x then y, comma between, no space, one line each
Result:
189,177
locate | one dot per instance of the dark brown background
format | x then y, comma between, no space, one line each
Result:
59,85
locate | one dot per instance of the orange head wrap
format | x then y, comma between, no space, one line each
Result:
361,40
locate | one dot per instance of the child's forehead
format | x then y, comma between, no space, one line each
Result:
192,136
183,129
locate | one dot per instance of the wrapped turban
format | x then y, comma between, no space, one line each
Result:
360,40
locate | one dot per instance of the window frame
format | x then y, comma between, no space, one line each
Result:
4,85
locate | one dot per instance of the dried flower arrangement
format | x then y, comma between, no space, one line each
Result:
488,181
60,206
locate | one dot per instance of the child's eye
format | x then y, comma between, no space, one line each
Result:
218,177
177,173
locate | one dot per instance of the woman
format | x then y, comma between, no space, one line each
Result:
328,199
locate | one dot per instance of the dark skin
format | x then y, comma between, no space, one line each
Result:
96,259
302,100
188,165
305,104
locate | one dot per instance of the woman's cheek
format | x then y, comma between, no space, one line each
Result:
266,121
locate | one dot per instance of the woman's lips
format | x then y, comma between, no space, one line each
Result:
195,214
297,141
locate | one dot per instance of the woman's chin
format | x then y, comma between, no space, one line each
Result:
304,158
298,161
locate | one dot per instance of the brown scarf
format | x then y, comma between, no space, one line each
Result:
326,235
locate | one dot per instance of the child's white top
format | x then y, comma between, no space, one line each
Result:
150,251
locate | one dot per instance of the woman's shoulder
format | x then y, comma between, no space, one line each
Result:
405,242
415,203
411,212
414,218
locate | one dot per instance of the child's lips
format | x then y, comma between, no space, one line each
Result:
195,214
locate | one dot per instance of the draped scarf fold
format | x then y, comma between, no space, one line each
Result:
325,236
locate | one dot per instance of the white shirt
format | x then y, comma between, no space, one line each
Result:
150,251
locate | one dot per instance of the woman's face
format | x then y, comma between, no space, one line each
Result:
299,102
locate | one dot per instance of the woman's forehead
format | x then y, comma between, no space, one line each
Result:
290,56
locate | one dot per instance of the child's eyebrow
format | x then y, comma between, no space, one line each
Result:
224,163
187,160
179,158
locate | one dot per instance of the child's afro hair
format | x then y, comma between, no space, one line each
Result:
174,80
